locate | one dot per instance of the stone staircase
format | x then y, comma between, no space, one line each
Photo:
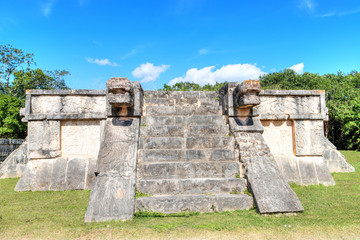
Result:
187,159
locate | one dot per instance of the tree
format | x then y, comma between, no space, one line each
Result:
10,59
10,120
188,86
36,79
13,84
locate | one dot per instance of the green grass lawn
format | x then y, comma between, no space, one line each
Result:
330,212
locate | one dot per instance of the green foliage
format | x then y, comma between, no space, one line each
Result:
342,99
37,79
10,120
13,85
141,194
10,59
188,86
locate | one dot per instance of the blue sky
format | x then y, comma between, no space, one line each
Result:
203,41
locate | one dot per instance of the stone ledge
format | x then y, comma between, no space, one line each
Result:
64,116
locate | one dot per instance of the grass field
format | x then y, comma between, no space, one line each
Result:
330,213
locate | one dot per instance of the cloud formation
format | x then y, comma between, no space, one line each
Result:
229,73
101,62
308,5
298,68
148,72
47,7
203,51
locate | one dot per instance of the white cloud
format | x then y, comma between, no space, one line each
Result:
203,51
339,14
308,5
298,68
101,62
148,72
47,7
229,73
132,52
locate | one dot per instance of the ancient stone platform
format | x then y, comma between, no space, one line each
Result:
185,151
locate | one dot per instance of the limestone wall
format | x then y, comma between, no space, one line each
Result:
293,129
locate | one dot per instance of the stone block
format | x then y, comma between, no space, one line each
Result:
191,186
206,120
163,143
271,192
76,173
184,170
309,138
112,198
194,203
80,139
160,155
205,130
226,142
58,177
163,131
157,120
44,139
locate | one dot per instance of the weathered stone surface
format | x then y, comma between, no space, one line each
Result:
59,175
181,170
163,143
15,163
204,130
201,203
209,142
113,192
52,104
112,198
90,177
76,174
163,131
270,190
192,186
55,174
309,138
80,139
334,160
44,139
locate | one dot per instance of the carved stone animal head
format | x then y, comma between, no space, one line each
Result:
246,94
120,92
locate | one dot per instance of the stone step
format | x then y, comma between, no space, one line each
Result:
181,102
194,203
212,142
184,170
183,120
178,155
192,186
206,130
182,110
162,131
179,131
225,142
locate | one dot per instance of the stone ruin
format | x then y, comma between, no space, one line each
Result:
188,151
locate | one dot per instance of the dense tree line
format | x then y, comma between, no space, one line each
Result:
14,80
